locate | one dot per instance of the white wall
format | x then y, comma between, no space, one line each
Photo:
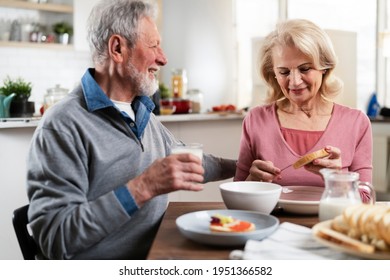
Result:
198,36
44,68
345,46
14,145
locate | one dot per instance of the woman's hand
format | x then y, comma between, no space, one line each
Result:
332,161
263,171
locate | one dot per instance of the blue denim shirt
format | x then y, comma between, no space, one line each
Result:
96,99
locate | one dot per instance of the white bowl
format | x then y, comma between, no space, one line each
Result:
254,196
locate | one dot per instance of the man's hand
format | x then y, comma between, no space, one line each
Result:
169,174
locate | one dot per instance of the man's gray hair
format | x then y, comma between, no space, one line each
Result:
120,17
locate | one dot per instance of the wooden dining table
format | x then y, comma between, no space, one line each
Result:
170,244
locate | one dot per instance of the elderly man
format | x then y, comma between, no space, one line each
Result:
99,167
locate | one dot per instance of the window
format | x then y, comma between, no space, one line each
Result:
384,52
339,15
257,18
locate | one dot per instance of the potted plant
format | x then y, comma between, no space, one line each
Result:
160,98
165,93
20,106
63,30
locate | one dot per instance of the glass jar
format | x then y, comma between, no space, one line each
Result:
54,95
179,83
196,97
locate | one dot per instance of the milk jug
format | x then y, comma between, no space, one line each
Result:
342,189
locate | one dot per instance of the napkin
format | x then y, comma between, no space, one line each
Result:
288,242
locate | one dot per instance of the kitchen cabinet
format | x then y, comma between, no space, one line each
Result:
51,12
381,154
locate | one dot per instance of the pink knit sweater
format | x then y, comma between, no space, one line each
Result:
348,129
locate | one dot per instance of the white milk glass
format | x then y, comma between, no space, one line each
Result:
341,191
191,148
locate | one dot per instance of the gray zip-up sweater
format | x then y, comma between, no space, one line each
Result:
78,159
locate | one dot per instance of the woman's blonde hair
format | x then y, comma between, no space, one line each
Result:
311,41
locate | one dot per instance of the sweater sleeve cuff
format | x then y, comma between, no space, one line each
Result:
126,199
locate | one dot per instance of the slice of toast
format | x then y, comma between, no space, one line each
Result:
365,223
384,227
344,240
309,158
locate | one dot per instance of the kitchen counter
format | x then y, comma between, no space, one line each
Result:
380,119
19,122
33,122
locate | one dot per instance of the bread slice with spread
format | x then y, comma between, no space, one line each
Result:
306,159
221,223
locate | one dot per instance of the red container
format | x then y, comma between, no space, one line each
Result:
183,106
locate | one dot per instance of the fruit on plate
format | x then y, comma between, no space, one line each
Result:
224,108
221,223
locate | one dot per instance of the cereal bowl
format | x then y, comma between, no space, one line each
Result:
249,195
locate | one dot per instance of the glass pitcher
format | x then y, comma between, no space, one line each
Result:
342,189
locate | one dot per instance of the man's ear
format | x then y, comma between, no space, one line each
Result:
115,48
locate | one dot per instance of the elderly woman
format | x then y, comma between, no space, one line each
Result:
297,61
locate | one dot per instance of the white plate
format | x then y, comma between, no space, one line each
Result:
301,199
340,248
195,226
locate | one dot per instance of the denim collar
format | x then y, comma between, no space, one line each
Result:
96,99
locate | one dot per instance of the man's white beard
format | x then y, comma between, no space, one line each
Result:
142,84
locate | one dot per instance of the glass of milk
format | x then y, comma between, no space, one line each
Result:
342,189
191,148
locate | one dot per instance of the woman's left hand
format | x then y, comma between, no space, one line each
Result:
333,161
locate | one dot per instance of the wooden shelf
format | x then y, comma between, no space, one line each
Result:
35,45
48,7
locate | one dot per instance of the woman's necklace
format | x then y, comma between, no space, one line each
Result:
307,113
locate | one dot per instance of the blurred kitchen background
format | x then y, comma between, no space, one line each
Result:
213,40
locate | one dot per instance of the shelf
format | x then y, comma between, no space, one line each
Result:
199,117
48,7
36,45
19,122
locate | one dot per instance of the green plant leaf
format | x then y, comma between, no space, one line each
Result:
19,86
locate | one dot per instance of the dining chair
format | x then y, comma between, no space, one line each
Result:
26,242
